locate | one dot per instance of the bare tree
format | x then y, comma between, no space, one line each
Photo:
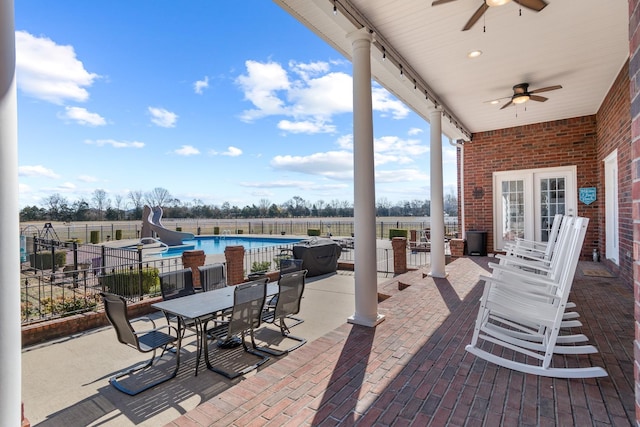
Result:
158,197
136,198
101,201
263,206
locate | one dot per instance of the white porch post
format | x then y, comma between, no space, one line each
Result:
366,283
437,199
10,351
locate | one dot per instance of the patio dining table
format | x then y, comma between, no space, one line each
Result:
199,307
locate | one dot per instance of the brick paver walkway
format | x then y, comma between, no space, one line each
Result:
412,369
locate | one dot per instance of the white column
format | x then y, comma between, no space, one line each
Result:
10,338
366,281
437,198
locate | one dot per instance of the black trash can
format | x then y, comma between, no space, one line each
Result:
477,243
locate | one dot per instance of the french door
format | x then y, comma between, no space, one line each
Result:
526,201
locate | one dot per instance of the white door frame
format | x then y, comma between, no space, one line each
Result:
531,179
612,248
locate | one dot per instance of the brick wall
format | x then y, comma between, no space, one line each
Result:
634,75
558,143
614,132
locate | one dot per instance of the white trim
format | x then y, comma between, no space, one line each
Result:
612,246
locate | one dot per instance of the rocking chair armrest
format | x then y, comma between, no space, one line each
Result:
527,276
532,291
537,265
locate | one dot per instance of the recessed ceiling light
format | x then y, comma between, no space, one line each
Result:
474,54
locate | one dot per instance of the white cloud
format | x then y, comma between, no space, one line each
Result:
346,142
260,85
87,178
397,150
114,143
305,127
307,70
66,187
309,93
50,71
163,118
302,185
200,85
332,164
187,150
84,117
231,152
401,175
383,102
415,131
322,97
38,171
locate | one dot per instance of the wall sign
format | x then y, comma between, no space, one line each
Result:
588,195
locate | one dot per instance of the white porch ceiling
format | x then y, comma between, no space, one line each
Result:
579,44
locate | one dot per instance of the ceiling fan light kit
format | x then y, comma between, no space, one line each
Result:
520,98
492,3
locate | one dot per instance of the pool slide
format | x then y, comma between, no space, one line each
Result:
152,223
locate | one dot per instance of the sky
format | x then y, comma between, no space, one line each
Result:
214,101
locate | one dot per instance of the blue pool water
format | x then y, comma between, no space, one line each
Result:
217,244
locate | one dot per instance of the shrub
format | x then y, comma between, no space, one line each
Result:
257,266
42,260
118,234
313,232
216,230
95,236
397,232
239,231
126,283
68,305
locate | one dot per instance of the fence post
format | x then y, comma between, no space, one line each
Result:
399,245
234,256
139,270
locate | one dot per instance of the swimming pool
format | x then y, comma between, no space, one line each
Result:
217,244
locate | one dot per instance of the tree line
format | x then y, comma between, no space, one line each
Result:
101,207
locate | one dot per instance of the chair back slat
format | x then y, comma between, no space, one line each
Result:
291,288
176,284
288,265
248,301
212,277
115,308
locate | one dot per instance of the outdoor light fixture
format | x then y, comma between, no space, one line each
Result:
492,3
520,98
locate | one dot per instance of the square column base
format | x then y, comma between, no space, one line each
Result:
359,320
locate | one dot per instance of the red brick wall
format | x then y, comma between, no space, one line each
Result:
634,74
541,145
614,132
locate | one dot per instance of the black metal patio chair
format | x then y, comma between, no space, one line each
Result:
248,301
145,341
212,277
290,290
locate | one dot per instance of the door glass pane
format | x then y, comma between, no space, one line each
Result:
552,201
513,209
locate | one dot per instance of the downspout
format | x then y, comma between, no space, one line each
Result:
461,168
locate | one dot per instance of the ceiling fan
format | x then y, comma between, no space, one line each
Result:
535,5
522,94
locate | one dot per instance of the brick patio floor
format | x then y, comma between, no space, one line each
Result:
412,369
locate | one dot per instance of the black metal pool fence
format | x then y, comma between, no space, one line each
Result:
107,231
60,278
